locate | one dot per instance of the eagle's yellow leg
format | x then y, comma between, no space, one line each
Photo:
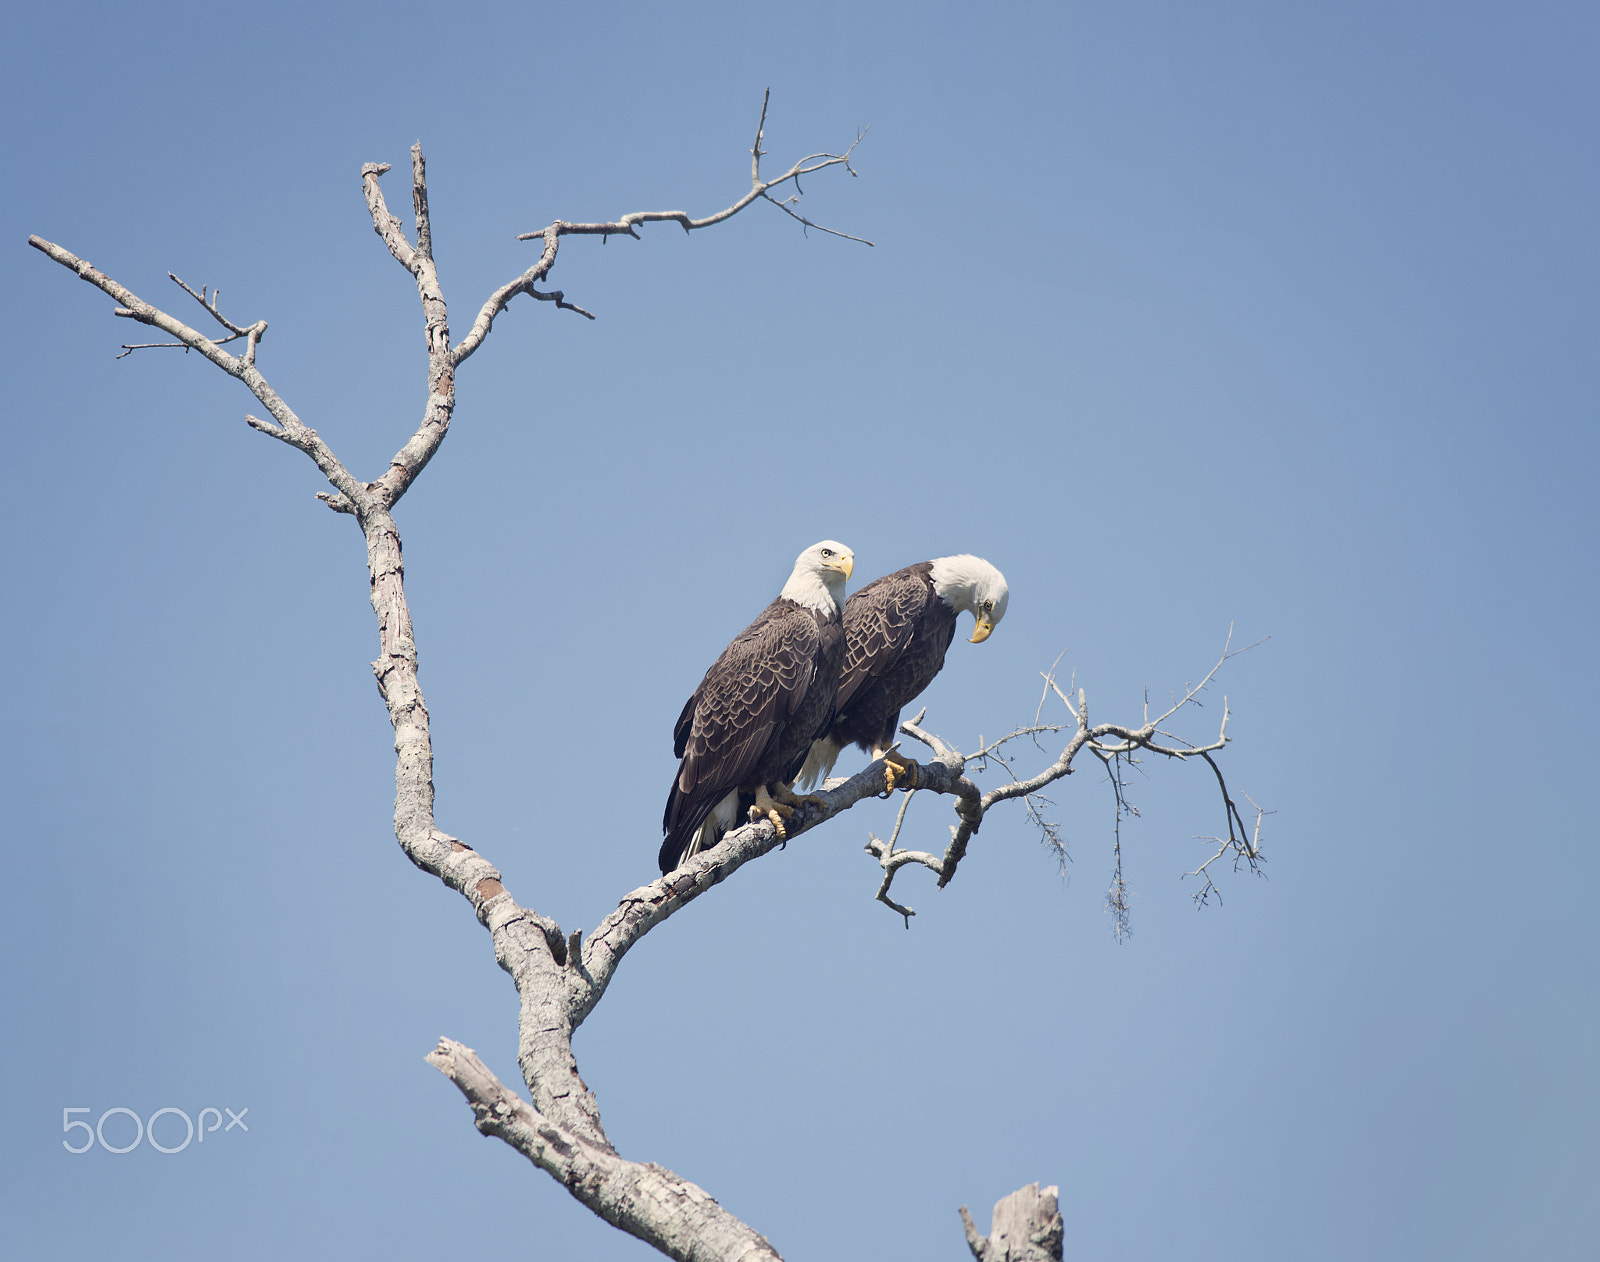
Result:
897,767
767,807
789,797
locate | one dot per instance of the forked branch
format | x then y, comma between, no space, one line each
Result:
288,427
1246,850
628,225
1111,743
253,332
444,358
892,860
643,1199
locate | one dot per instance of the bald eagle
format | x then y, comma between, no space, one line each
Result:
748,726
897,629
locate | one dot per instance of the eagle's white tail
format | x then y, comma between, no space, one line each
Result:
819,763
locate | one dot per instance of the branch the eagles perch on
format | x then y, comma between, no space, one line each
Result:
561,977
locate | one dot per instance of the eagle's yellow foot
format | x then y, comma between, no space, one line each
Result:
788,797
898,768
767,807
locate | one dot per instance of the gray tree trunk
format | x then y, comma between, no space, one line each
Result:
1027,1227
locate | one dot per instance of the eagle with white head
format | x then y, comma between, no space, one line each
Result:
896,630
747,729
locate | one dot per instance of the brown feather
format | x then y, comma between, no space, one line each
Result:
753,717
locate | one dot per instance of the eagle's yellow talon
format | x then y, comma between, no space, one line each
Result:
769,808
895,767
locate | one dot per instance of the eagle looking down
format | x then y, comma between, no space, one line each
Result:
897,629
749,725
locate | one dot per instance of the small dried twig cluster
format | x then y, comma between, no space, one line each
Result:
1246,850
1117,746
252,332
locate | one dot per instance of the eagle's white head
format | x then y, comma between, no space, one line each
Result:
970,583
820,573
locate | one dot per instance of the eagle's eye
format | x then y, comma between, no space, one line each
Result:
826,553
988,606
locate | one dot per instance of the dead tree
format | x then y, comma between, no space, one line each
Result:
1027,1228
559,977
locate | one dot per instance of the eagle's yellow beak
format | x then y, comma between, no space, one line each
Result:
845,564
981,630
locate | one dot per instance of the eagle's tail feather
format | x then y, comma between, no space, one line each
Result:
819,762
723,816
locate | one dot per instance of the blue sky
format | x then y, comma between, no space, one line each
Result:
1186,316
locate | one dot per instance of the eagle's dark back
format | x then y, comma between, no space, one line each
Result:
753,717
897,631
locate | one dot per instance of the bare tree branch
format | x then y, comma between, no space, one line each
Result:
643,1199
1245,851
254,332
627,226
1118,896
978,1243
411,459
892,860
648,906
787,207
132,307
1111,743
389,229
